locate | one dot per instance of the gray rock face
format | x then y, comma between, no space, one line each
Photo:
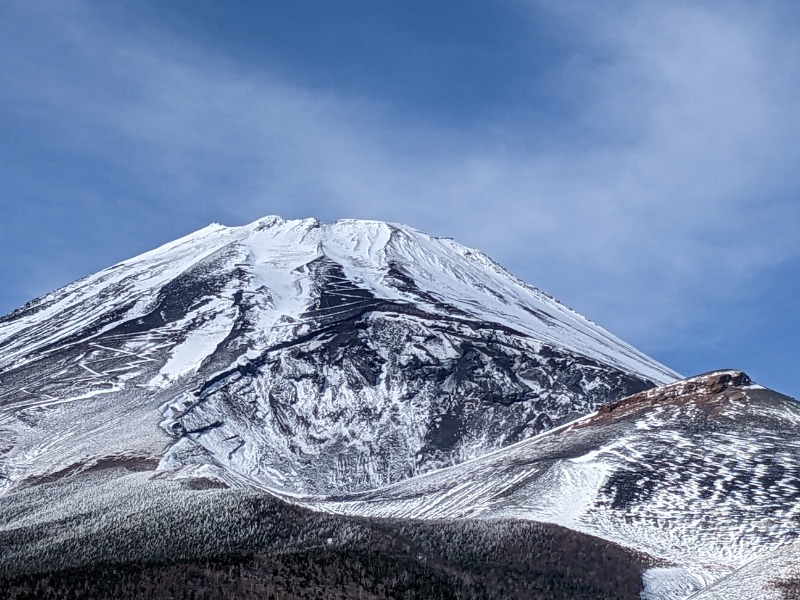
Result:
383,396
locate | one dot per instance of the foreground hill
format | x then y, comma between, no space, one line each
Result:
703,474
136,537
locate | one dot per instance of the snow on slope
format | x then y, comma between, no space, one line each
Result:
277,253
775,575
703,474
301,356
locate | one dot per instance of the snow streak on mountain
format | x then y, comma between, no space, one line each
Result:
298,357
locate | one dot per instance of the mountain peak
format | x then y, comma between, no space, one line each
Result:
305,357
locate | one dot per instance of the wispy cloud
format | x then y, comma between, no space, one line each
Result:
667,189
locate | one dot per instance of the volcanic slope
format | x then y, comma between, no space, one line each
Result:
299,357
702,474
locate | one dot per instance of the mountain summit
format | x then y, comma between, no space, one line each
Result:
300,357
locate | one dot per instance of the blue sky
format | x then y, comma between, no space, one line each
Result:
638,160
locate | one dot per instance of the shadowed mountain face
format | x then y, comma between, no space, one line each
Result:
298,357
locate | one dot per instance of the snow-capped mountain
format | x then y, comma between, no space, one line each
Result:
298,357
364,369
703,474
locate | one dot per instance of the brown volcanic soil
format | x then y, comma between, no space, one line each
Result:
708,391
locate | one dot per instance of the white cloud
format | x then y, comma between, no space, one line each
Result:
669,190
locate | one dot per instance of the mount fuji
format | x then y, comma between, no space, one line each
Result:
296,391
300,357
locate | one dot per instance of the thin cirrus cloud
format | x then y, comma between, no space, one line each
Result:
654,188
